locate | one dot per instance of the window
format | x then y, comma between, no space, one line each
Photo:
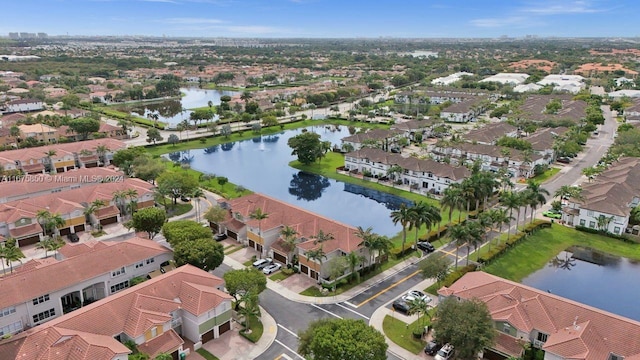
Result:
41,299
613,356
150,261
589,213
140,264
118,272
616,230
154,331
11,328
7,311
506,328
44,315
542,337
592,224
582,222
121,286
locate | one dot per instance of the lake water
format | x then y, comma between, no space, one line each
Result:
594,278
261,164
170,111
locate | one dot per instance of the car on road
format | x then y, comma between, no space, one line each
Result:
417,294
400,305
445,353
554,214
564,160
426,246
432,348
270,269
261,263
184,198
220,237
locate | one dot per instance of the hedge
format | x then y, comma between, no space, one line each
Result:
451,278
603,233
500,249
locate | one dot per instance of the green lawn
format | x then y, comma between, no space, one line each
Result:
231,251
279,276
256,330
546,175
207,355
402,334
539,248
179,208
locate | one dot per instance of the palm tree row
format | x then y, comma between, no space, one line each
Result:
533,196
374,243
475,189
10,252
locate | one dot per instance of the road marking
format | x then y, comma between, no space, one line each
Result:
283,356
327,311
287,330
353,311
350,304
389,287
290,349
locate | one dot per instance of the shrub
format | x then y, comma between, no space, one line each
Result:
500,249
288,271
602,232
397,252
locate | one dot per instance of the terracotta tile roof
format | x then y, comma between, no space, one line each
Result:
46,278
168,342
544,138
412,125
106,212
576,331
490,150
490,133
534,108
73,148
306,223
508,345
412,163
27,230
374,134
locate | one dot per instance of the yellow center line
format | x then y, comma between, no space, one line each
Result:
278,358
389,287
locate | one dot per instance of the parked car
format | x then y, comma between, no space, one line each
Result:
73,238
417,294
261,263
564,160
426,246
184,198
552,214
432,348
220,237
401,305
269,269
445,353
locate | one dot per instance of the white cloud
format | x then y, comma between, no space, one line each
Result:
563,7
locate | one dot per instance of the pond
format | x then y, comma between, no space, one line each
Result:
261,164
594,278
171,111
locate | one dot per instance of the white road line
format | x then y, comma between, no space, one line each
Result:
351,304
327,311
289,331
290,349
353,311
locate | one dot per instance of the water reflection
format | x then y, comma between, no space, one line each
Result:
594,256
309,187
211,149
227,146
564,261
183,157
392,202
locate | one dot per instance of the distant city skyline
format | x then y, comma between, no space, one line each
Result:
324,18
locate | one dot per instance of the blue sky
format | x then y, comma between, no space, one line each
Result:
324,18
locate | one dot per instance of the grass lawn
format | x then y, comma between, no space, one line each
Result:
231,251
539,248
228,246
256,330
248,263
207,355
546,175
213,108
178,209
279,276
401,334
227,190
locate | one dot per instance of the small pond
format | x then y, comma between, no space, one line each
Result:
594,278
171,111
261,164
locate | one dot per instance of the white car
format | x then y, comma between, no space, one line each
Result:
271,268
261,263
445,353
416,294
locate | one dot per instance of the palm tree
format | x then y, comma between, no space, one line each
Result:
451,200
353,259
317,255
216,214
536,196
91,209
197,194
511,200
458,234
402,216
500,217
250,309
52,244
49,154
568,191
259,215
321,237
590,172
102,150
368,240
419,306
475,232
3,256
418,218
468,192
119,197
49,222
246,96
125,124
12,252
382,246
290,238
132,204
392,172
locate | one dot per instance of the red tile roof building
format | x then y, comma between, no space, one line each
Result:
563,328
156,315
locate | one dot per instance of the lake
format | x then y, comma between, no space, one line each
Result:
170,111
261,164
594,278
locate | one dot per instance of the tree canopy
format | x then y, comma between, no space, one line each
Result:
338,339
204,253
243,281
84,126
149,220
185,231
176,184
467,325
307,146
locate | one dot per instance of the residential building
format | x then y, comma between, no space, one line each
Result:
8,120
544,139
450,79
413,127
159,315
490,133
507,78
382,138
41,132
535,108
563,328
23,105
522,88
607,201
18,218
569,83
593,69
463,112
426,175
265,235
632,113
105,130
538,64
5,137
492,158
87,272
619,94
